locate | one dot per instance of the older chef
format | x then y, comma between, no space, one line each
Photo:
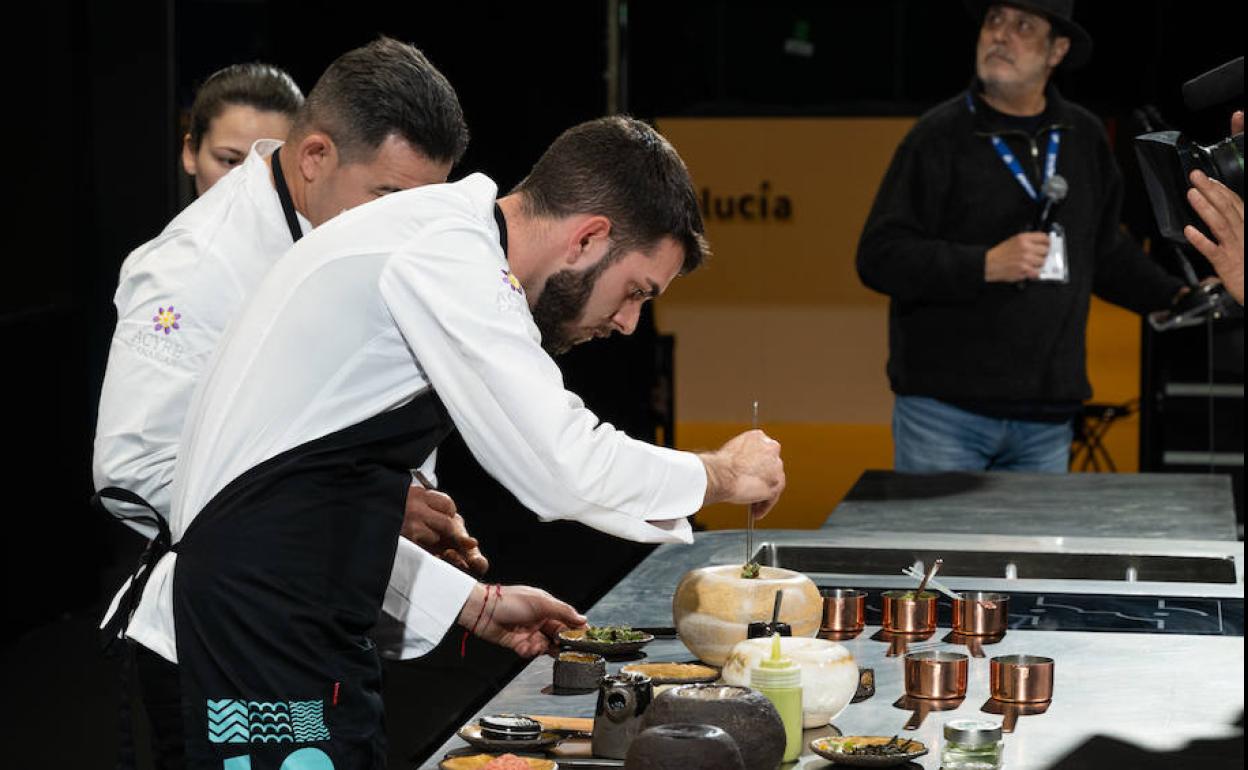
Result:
373,337
380,119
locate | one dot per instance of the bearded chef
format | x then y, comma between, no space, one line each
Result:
375,335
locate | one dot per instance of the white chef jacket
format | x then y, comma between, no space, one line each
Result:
405,293
175,297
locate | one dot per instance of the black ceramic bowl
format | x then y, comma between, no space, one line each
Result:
579,670
746,715
683,746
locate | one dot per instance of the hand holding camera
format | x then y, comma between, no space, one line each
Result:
1223,213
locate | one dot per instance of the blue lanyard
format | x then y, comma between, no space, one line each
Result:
1011,160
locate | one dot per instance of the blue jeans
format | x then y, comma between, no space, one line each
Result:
930,436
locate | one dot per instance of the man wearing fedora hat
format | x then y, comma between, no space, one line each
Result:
994,225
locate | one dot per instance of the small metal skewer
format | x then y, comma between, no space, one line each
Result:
930,573
749,509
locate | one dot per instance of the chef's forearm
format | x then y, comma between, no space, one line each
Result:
719,477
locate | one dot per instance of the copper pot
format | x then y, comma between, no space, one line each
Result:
1021,678
979,613
935,681
936,674
904,615
844,610
1023,684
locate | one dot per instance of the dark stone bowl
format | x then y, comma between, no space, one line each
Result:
683,747
746,715
579,670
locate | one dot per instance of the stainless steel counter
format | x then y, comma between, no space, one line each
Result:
1156,691
1137,505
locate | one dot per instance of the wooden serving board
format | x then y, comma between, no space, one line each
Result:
565,724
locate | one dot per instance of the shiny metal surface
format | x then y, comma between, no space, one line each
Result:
1149,690
981,613
875,559
1187,506
1020,681
1021,678
936,674
909,615
844,610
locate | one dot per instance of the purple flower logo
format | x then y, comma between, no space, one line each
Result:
509,278
166,320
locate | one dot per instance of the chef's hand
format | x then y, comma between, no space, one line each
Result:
747,469
1223,212
431,521
1015,259
524,619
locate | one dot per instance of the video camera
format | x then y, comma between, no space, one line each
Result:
1167,159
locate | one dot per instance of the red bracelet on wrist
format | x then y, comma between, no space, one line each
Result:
463,643
498,597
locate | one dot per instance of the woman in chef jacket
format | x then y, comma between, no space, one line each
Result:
235,107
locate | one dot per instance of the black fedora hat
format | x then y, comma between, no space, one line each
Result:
1059,13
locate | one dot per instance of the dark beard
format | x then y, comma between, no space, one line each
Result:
561,302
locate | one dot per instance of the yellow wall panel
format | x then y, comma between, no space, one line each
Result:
821,463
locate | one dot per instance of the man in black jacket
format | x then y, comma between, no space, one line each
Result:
996,221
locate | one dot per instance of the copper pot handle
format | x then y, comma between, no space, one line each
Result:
1010,718
974,647
896,647
916,717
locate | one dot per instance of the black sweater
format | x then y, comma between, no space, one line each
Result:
947,198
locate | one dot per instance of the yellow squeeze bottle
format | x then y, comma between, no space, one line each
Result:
780,679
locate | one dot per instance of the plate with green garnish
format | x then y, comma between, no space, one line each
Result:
605,640
868,750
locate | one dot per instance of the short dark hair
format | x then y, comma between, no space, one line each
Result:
385,88
623,169
261,86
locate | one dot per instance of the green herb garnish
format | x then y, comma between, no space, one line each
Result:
910,595
750,570
612,634
893,748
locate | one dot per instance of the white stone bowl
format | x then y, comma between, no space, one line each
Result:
829,673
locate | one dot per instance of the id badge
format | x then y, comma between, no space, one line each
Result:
1056,268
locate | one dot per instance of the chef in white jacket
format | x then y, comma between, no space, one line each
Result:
380,119
362,347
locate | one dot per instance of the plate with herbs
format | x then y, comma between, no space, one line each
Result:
605,640
868,750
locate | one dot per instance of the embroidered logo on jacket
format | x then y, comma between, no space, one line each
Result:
166,320
511,294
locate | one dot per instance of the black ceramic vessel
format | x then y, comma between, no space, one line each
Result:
579,670
683,747
746,715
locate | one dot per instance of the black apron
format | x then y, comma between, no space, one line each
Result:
277,581
159,679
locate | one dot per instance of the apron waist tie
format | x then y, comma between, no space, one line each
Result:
113,631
